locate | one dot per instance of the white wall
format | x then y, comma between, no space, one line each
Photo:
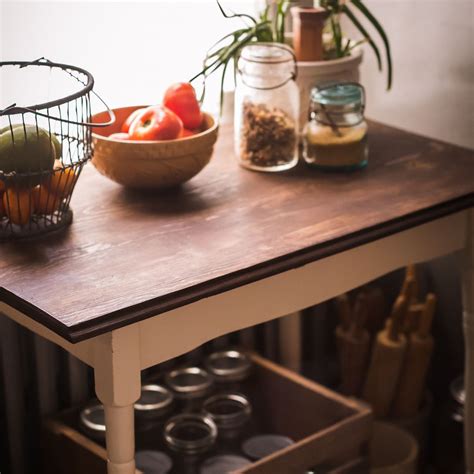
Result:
433,55
135,49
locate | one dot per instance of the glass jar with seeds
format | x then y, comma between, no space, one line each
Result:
335,137
266,108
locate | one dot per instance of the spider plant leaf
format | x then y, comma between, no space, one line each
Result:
233,34
221,94
368,14
364,33
235,15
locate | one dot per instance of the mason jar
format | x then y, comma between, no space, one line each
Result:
153,407
92,422
231,413
335,137
189,437
229,369
266,108
190,386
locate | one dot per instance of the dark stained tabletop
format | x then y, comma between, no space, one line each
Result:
130,255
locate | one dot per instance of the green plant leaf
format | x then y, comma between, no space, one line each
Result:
364,33
235,15
367,13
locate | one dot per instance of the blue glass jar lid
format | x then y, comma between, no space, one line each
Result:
340,93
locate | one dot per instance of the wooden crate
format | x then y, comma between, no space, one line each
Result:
327,428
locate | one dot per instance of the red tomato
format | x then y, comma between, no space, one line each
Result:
130,119
156,123
188,133
120,136
181,99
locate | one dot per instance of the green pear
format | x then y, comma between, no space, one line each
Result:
27,149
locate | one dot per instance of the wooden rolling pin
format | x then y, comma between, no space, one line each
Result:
353,343
409,292
386,363
415,366
376,311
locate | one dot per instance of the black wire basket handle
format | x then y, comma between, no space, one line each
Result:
35,109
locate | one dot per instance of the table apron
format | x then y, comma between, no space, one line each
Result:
180,330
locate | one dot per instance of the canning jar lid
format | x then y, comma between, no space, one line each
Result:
190,433
268,53
229,366
188,383
153,462
338,93
261,446
92,419
155,400
228,410
223,463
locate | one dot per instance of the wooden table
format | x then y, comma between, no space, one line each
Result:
141,278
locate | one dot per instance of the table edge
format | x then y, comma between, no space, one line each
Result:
156,306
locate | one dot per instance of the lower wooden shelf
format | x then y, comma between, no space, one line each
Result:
328,429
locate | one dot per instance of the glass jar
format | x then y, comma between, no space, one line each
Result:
189,437
335,137
229,369
266,108
92,422
190,386
231,413
151,410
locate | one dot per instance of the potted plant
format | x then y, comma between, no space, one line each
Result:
342,56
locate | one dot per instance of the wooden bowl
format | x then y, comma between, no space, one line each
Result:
151,164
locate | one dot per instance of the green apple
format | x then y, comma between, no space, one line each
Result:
27,149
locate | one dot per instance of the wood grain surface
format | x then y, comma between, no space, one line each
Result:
130,255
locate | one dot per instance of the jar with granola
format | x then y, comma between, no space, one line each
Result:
266,108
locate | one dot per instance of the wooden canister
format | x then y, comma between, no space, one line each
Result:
308,24
392,450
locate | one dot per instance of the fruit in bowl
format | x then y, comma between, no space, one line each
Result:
150,147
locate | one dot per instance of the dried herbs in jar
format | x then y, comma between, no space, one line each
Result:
266,108
268,136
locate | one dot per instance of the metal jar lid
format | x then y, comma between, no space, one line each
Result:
92,420
228,410
153,462
155,401
190,433
223,464
189,383
261,446
229,366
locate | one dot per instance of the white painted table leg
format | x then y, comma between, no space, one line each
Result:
117,383
468,304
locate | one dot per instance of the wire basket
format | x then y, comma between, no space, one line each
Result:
43,147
